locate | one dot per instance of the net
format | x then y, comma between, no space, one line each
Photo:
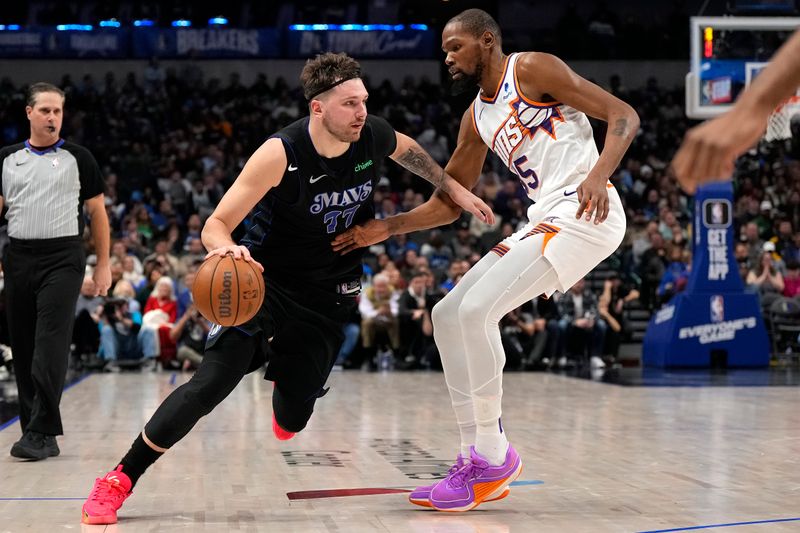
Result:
779,126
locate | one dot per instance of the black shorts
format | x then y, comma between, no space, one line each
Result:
300,331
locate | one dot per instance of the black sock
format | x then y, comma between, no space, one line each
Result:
138,458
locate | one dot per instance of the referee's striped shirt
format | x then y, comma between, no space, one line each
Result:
44,189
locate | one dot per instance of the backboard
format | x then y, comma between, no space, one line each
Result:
727,53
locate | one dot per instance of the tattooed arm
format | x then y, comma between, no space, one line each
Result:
413,157
546,75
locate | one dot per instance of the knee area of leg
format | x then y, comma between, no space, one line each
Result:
204,398
473,311
444,314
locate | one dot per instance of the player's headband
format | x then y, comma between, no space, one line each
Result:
330,86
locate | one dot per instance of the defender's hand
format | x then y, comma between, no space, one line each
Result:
709,151
471,203
372,232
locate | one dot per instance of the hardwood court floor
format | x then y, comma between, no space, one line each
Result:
608,458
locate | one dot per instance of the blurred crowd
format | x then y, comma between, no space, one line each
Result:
171,142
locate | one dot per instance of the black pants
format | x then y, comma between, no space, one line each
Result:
42,281
305,328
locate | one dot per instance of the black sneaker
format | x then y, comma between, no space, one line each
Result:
36,446
51,445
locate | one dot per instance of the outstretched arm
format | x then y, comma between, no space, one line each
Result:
410,155
709,150
464,166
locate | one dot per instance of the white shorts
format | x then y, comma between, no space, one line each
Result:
573,246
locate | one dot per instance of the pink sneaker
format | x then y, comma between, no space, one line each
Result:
474,482
106,498
422,495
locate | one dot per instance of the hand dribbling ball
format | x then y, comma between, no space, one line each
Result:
228,291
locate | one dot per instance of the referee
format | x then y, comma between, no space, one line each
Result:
45,181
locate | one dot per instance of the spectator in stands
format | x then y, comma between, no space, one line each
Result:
415,327
352,331
120,251
118,332
676,275
398,246
125,291
463,243
129,271
183,291
85,331
654,262
765,276
791,282
189,334
784,243
754,242
526,338
378,307
161,255
438,253
160,313
152,272
580,327
457,269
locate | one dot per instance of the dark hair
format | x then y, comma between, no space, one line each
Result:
326,71
41,87
477,21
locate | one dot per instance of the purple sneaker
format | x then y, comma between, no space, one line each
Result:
475,482
422,495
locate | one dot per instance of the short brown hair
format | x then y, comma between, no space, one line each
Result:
42,87
326,71
477,21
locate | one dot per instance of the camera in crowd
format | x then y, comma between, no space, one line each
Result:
111,308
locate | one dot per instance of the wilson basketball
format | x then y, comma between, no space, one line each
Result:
228,291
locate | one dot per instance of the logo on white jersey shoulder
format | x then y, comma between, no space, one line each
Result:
506,92
315,179
291,168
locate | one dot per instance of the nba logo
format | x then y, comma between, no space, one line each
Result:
717,309
717,213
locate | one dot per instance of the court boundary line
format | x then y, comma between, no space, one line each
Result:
730,524
68,386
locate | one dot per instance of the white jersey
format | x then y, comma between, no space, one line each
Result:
548,145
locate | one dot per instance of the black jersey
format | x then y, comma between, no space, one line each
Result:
318,198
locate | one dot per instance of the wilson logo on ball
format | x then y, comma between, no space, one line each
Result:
225,296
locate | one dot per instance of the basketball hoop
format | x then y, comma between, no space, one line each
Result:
779,126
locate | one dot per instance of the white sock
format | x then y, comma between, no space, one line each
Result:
466,423
491,442
490,439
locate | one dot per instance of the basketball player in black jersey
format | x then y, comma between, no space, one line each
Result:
308,183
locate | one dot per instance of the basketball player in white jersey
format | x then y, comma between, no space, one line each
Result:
531,111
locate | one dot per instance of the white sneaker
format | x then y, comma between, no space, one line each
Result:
562,362
596,362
